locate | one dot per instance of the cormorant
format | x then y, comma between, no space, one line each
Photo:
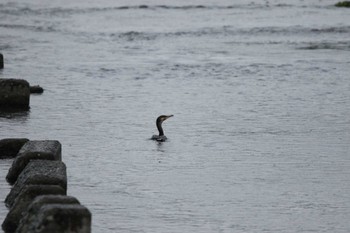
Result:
161,137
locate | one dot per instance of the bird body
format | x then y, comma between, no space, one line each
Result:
158,138
161,137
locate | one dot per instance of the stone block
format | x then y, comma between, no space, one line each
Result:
43,172
44,150
343,4
30,218
14,94
9,147
24,199
61,218
36,89
1,61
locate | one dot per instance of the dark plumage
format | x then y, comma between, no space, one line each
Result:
161,137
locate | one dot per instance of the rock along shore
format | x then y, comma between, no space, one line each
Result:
37,201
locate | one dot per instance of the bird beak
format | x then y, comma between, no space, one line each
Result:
169,116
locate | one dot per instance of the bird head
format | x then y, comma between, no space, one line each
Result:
162,118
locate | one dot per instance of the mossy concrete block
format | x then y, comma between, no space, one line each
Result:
43,172
24,199
44,150
14,94
343,4
28,221
58,218
9,147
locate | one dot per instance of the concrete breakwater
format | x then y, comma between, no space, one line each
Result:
38,200
15,94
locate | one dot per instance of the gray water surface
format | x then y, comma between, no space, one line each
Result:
259,141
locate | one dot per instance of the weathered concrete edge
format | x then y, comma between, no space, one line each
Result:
23,201
56,217
85,214
40,172
9,147
14,94
29,219
34,149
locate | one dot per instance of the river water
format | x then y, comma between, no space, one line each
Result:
260,93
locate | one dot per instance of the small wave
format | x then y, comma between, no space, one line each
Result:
29,27
263,132
344,29
133,35
158,7
111,70
4,47
327,45
231,31
294,29
250,5
16,9
13,9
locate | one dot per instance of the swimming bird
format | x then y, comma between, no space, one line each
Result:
161,137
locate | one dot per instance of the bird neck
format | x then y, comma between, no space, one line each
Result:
160,129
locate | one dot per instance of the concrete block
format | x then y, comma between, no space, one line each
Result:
14,94
55,218
9,147
30,218
343,4
22,202
36,89
44,150
43,172
1,61
61,218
